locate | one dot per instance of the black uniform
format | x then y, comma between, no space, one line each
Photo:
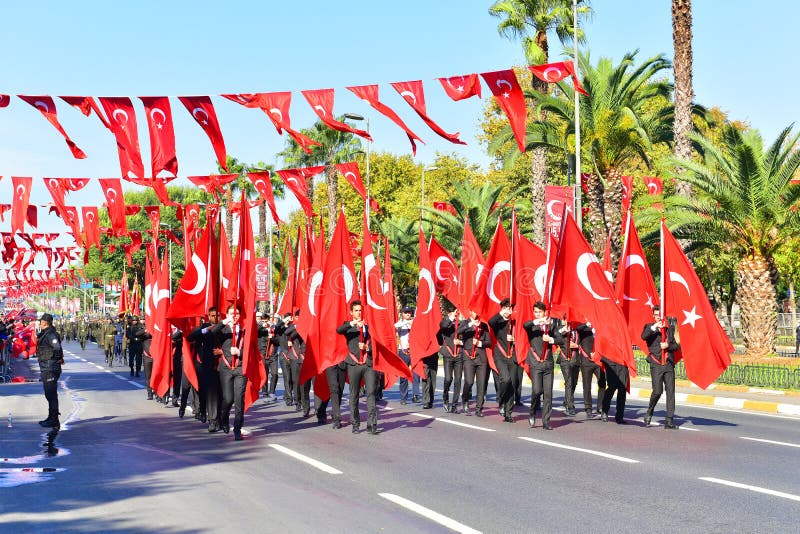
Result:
570,363
267,346
147,364
476,365
617,380
232,381
296,353
540,363
506,362
136,336
359,367
662,366
50,356
589,368
453,362
206,339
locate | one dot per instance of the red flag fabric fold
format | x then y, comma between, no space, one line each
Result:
47,107
655,185
422,338
555,72
297,182
506,90
202,111
462,87
321,101
445,271
262,181
91,227
162,134
86,104
370,94
122,123
115,202
19,205
413,93
494,281
471,266
353,176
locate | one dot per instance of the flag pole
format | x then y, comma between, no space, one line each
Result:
269,255
661,247
578,201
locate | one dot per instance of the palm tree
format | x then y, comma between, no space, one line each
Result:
334,147
682,69
403,235
746,204
530,20
621,120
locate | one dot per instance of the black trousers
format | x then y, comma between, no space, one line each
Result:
233,384
288,380
271,366
177,374
213,394
300,391
507,381
431,366
336,376
475,371
186,389
569,370
518,389
663,379
541,387
148,372
135,357
617,378
51,372
453,371
590,369
356,373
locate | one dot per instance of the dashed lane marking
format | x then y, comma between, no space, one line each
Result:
756,489
771,442
303,458
579,449
443,520
452,422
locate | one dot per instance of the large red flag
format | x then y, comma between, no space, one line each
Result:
19,204
422,338
213,183
655,185
297,182
122,123
162,134
151,272
115,202
57,191
370,94
627,192
635,291
581,290
321,101
705,346
202,111
413,93
195,293
494,282
91,228
310,289
353,176
555,72
379,315
289,299
462,87
263,184
471,266
530,274
506,90
161,344
445,271
86,104
46,105
388,281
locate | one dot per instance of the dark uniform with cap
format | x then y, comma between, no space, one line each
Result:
50,356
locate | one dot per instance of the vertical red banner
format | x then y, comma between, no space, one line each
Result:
262,278
556,197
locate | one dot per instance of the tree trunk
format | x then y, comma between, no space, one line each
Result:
612,201
682,66
756,297
263,242
594,221
332,185
539,178
228,218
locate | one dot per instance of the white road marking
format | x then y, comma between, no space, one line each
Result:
771,442
452,422
443,520
756,489
578,449
137,384
303,458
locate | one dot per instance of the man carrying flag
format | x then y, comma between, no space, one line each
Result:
663,341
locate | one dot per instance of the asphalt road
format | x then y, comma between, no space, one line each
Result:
121,463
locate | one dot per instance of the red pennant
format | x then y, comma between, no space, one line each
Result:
321,101
297,182
202,110
353,176
445,271
5,100
555,72
627,192
161,344
115,202
370,94
47,107
414,94
122,122
422,338
32,216
91,227
506,90
262,181
462,87
494,281
162,134
86,104
19,205
655,185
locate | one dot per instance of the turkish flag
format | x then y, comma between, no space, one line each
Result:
445,271
197,290
213,183
471,266
530,279
32,216
122,123
276,107
91,228
5,100
20,201
154,214
636,292
444,206
202,111
627,192
558,199
353,176
47,106
555,72
370,94
388,281
506,90
86,104
162,134
494,281
413,93
124,295
607,267
379,315
151,272
321,101
289,298
115,202
70,216
705,346
581,290
422,338
161,344
297,182
655,185
57,191
462,87
262,181
310,290
324,347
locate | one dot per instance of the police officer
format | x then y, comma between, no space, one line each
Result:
474,339
543,335
662,339
51,357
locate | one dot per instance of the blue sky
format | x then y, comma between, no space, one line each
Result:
743,64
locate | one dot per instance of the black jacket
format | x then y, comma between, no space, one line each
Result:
353,336
470,335
500,327
48,346
446,337
653,340
539,349
205,343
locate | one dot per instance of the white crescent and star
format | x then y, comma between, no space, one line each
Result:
313,286
496,270
320,109
278,113
677,277
438,268
652,187
369,264
351,173
349,282
632,259
21,190
200,269
42,105
546,74
409,96
111,195
157,111
53,183
550,211
196,112
120,112
690,316
584,261
425,275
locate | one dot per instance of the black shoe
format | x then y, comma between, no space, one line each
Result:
175,402
669,425
237,435
298,408
571,411
588,414
149,396
356,428
546,426
604,417
503,411
131,372
306,412
225,427
415,399
532,421
290,402
181,412
50,422
621,421
202,418
479,412
337,425
138,374
321,420
403,401
508,419
373,429
213,427
427,406
647,419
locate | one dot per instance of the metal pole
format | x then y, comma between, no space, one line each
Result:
269,290
578,200
369,149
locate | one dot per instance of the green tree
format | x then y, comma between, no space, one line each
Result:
745,204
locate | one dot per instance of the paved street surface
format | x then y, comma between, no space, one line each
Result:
121,463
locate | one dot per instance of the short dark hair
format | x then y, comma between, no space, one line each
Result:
355,303
539,305
212,309
656,308
505,303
